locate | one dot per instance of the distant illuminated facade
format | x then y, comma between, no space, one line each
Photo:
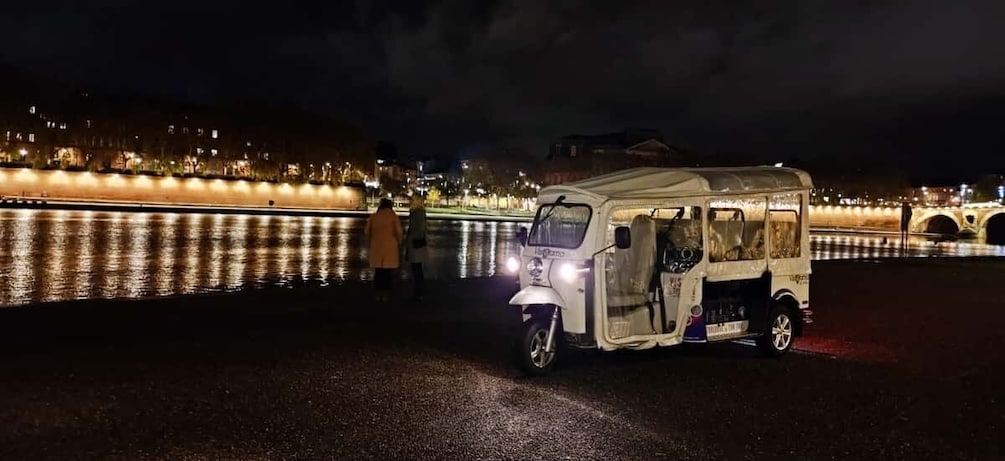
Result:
396,177
941,195
576,157
82,132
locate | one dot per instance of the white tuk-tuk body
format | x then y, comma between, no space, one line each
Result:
715,254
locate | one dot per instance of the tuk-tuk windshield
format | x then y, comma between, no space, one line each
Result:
560,225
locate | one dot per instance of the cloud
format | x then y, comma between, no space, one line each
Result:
790,78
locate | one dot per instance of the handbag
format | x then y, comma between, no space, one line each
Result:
419,243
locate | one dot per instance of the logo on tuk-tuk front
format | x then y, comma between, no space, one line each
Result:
549,253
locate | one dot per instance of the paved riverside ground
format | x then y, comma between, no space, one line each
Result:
899,365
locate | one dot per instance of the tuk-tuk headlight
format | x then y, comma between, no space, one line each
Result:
567,272
570,272
512,265
535,267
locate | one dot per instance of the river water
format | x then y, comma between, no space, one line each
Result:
55,255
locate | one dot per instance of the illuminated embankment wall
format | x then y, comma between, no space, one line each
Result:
873,218
85,186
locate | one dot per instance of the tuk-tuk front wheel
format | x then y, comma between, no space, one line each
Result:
778,337
533,357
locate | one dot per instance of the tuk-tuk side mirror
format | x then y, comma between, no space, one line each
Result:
622,237
521,235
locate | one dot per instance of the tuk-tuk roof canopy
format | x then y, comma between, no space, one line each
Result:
648,182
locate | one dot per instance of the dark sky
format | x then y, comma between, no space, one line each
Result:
920,82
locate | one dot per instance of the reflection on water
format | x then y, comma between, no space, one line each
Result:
864,246
51,255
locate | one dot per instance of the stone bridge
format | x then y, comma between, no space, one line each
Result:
985,221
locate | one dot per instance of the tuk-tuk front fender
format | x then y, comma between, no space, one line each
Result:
537,295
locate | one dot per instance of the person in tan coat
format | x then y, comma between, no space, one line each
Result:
383,237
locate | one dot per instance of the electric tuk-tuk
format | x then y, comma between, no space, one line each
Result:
650,257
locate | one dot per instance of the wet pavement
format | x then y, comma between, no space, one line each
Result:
898,366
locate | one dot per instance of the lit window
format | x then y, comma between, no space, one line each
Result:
170,129
62,126
248,144
199,132
213,152
31,137
215,134
50,124
31,110
90,124
198,150
184,130
265,155
8,135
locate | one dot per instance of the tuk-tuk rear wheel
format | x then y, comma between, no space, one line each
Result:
532,356
780,332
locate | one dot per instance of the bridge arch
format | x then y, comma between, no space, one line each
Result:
994,228
938,222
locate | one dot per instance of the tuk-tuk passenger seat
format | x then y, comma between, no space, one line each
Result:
632,271
725,237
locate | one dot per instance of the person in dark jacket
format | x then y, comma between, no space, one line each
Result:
416,251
